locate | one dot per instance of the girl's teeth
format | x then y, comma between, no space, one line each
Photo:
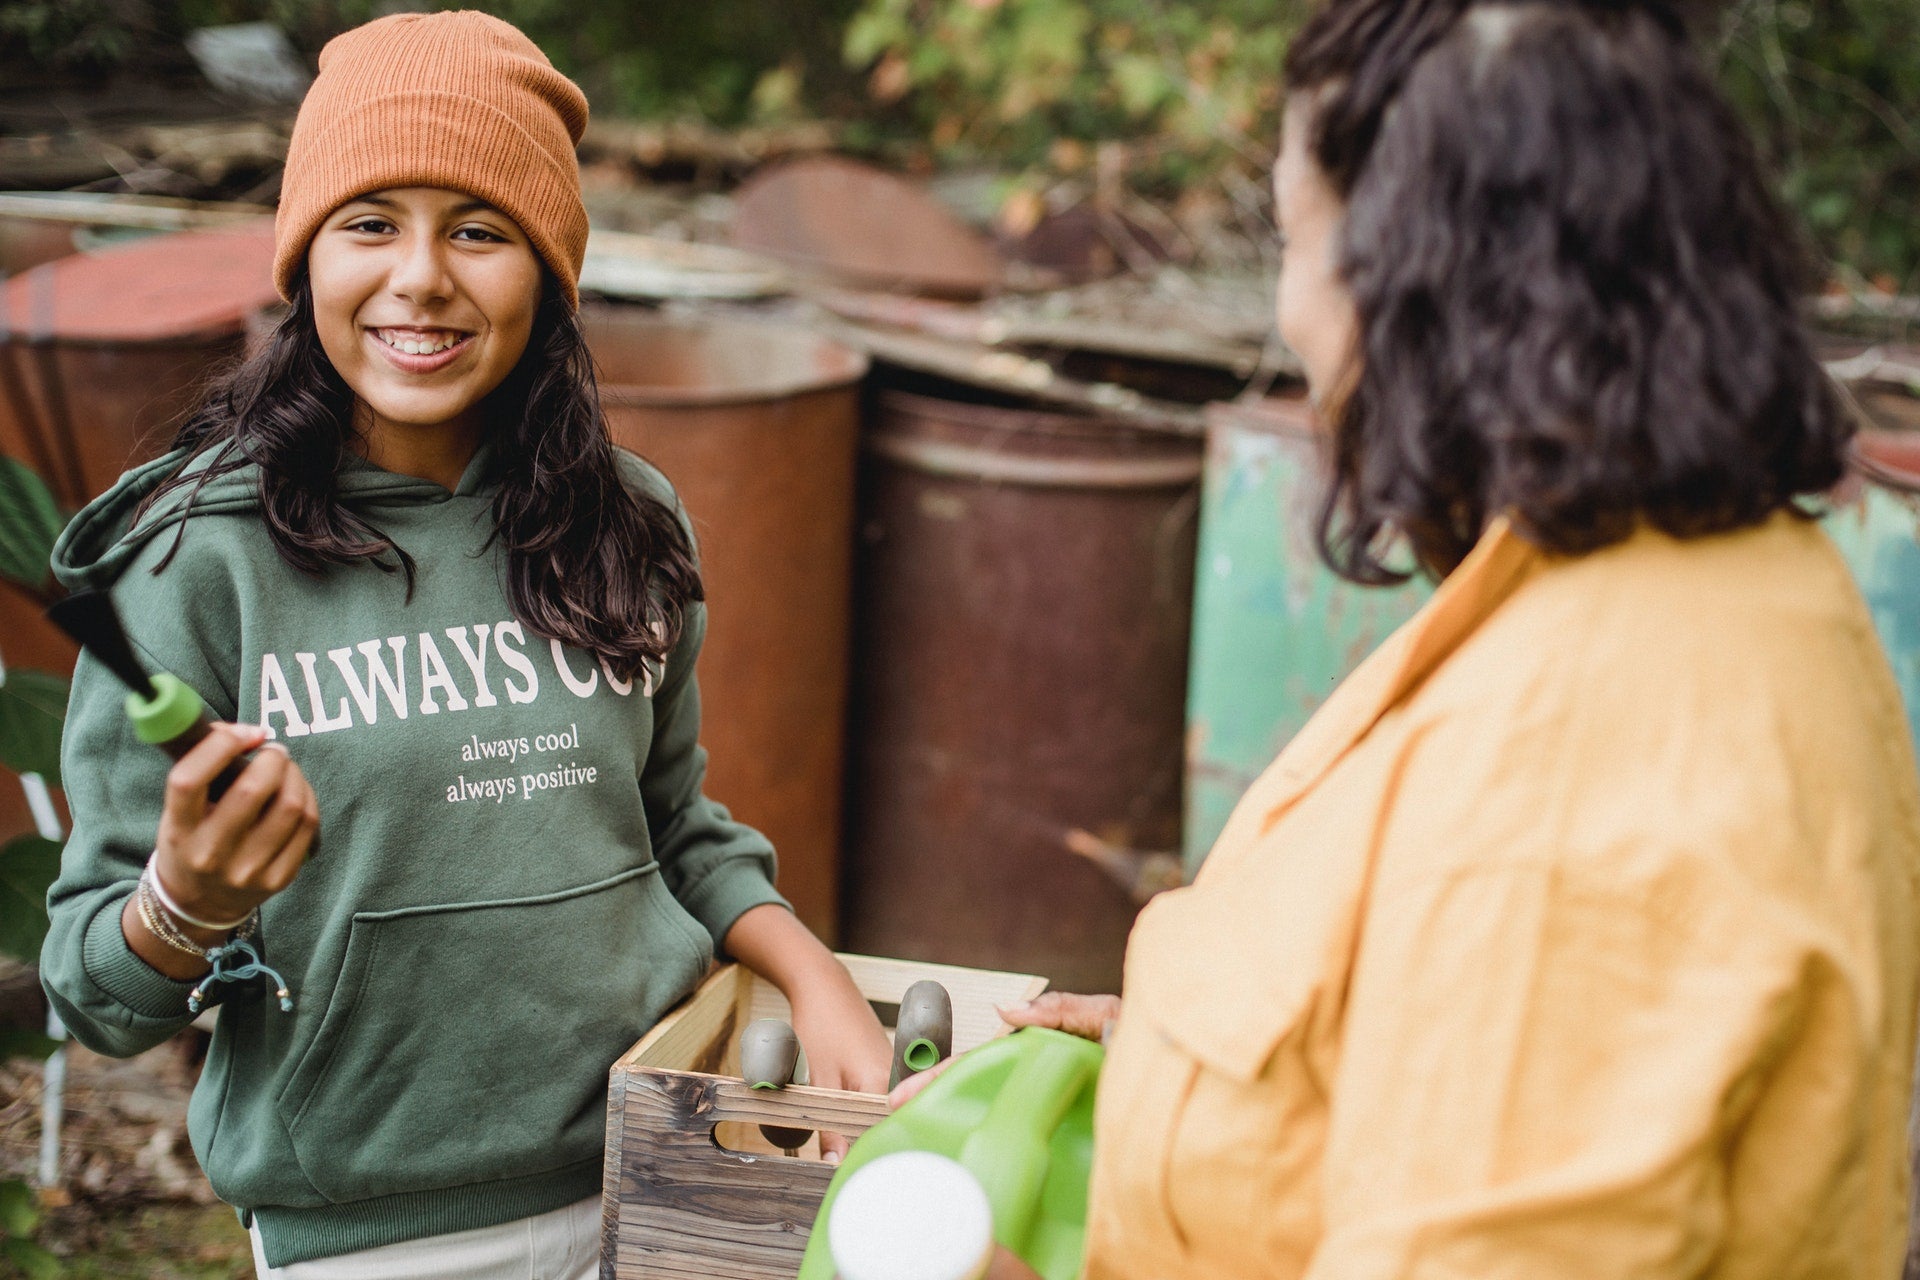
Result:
414,347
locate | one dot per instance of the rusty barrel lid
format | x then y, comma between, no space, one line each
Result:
997,444
664,361
1890,458
865,226
192,284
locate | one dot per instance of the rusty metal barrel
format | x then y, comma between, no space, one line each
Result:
757,427
99,355
99,352
1025,598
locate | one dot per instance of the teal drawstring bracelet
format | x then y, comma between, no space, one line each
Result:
234,960
228,967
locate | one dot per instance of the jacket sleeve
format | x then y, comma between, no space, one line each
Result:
1555,1037
183,621
717,868
110,999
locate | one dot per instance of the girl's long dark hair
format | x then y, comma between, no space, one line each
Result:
589,561
1578,299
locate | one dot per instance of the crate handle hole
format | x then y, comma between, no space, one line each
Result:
743,1138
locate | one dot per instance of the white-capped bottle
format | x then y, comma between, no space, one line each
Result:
912,1215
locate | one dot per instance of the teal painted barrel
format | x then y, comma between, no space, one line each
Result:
1876,522
1274,630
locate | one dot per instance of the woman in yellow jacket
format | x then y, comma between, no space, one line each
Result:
1576,936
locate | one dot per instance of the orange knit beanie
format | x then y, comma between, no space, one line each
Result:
459,100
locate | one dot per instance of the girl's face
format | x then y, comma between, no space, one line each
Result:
424,299
1317,316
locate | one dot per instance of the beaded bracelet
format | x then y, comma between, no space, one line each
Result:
154,916
164,925
151,875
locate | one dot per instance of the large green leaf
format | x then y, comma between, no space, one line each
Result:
29,523
32,1261
18,1042
33,707
28,865
19,1214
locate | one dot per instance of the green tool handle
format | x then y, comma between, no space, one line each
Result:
1011,1150
174,718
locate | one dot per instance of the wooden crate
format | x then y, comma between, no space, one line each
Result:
693,1191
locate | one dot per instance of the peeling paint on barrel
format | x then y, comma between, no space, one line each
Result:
1274,629
1875,521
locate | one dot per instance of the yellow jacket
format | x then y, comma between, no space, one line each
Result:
1575,937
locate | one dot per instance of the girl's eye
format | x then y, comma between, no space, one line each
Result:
371,226
480,234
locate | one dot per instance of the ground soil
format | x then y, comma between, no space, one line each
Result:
131,1203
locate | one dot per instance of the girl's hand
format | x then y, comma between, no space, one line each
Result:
1089,1017
846,1046
220,861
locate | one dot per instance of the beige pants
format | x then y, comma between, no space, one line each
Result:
561,1245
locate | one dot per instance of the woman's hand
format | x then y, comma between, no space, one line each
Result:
1089,1017
1006,1264
846,1046
219,861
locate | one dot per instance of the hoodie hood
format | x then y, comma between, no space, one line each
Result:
104,538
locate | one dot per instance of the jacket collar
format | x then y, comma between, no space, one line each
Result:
1232,1018
1490,574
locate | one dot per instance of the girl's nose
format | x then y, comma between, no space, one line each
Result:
420,272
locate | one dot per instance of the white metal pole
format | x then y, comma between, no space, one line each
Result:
53,1094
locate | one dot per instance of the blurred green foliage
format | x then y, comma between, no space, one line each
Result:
66,33
1026,80
726,60
1831,87
19,1222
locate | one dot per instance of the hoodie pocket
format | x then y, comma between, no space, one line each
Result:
468,1043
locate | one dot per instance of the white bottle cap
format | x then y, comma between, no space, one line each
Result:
912,1215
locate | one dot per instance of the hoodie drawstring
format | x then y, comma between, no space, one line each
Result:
228,966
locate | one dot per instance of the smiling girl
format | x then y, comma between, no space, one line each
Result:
397,548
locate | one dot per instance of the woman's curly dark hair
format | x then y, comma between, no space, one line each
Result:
1577,298
589,562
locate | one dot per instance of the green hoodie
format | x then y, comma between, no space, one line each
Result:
517,872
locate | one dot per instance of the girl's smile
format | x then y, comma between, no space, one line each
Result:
420,351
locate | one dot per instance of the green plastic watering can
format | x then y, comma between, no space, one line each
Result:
1017,1113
